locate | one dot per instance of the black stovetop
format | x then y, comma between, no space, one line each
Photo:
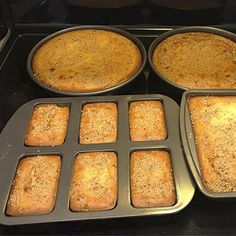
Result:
202,216
146,12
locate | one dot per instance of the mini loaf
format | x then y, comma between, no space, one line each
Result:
94,182
197,60
214,125
86,60
48,125
98,123
147,121
35,186
152,183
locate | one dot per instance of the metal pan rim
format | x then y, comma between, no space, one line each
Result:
126,34
157,41
185,140
184,186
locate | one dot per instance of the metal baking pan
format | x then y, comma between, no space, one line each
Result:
175,87
107,90
12,149
188,139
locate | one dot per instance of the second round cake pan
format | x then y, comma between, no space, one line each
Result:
13,150
131,81
157,76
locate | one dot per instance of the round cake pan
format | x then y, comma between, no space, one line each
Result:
107,90
178,88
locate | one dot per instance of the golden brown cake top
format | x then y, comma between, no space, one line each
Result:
151,179
147,121
98,123
197,60
86,60
35,185
48,125
94,183
214,123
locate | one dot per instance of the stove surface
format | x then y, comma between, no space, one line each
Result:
153,12
201,217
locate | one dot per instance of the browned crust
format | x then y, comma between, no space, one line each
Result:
98,123
214,126
34,188
86,60
197,60
47,126
147,121
94,182
152,183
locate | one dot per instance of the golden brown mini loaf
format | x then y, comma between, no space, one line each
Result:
34,188
94,182
152,183
86,60
48,125
147,121
197,60
214,126
98,123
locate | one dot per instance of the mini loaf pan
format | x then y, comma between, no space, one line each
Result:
13,149
173,86
104,91
188,139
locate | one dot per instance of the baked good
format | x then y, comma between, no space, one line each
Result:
34,188
94,182
98,123
152,183
197,60
214,127
48,125
147,121
86,60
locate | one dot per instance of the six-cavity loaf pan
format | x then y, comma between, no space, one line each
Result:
188,139
13,150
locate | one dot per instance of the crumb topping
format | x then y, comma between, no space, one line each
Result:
48,125
86,60
197,60
147,121
98,123
94,181
214,123
151,178
35,185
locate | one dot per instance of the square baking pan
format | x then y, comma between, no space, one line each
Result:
13,149
188,139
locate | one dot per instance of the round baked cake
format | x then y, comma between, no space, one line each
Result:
86,60
197,60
